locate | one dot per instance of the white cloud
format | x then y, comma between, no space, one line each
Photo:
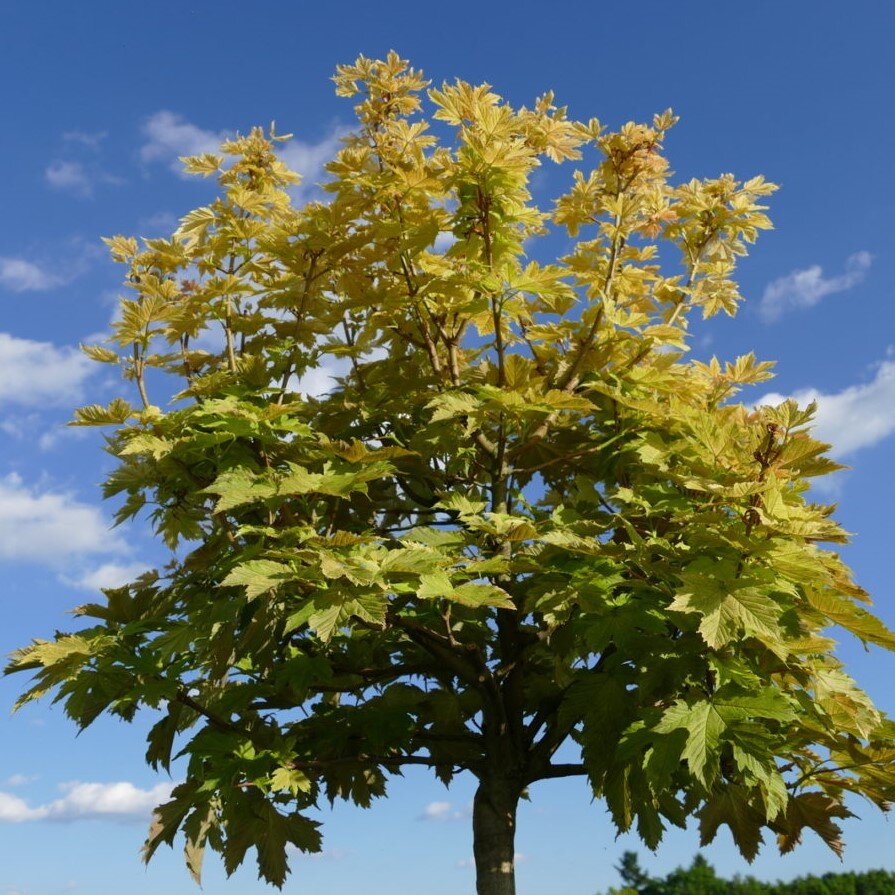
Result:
164,222
321,380
91,140
68,175
50,527
170,136
20,275
805,288
20,426
859,416
19,779
59,434
69,260
77,178
308,159
110,574
444,811
437,811
81,174
85,801
15,810
40,373
328,854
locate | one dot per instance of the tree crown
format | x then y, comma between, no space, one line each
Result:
520,516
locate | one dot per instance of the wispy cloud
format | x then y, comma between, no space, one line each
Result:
19,780
79,172
58,434
88,801
308,159
55,266
322,379
164,222
444,811
70,176
50,527
328,854
36,373
805,288
110,574
168,136
88,139
21,275
78,178
856,417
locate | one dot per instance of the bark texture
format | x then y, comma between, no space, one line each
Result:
494,836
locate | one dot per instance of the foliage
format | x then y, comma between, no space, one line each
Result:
700,878
521,517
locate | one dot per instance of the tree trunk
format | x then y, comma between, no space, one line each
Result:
494,836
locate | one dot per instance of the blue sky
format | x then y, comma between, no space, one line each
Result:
100,98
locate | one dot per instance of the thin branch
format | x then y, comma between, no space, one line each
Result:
477,676
216,720
569,381
362,759
139,365
553,771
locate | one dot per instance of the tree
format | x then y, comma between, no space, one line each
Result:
700,878
520,518
632,874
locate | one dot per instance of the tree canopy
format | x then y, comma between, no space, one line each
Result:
700,878
522,518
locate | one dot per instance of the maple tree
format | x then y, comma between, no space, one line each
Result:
522,518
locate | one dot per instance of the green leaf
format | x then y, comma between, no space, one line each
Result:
115,413
816,811
438,585
704,726
291,780
728,604
270,842
731,805
258,576
853,618
239,487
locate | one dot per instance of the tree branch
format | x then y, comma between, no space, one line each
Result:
553,771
